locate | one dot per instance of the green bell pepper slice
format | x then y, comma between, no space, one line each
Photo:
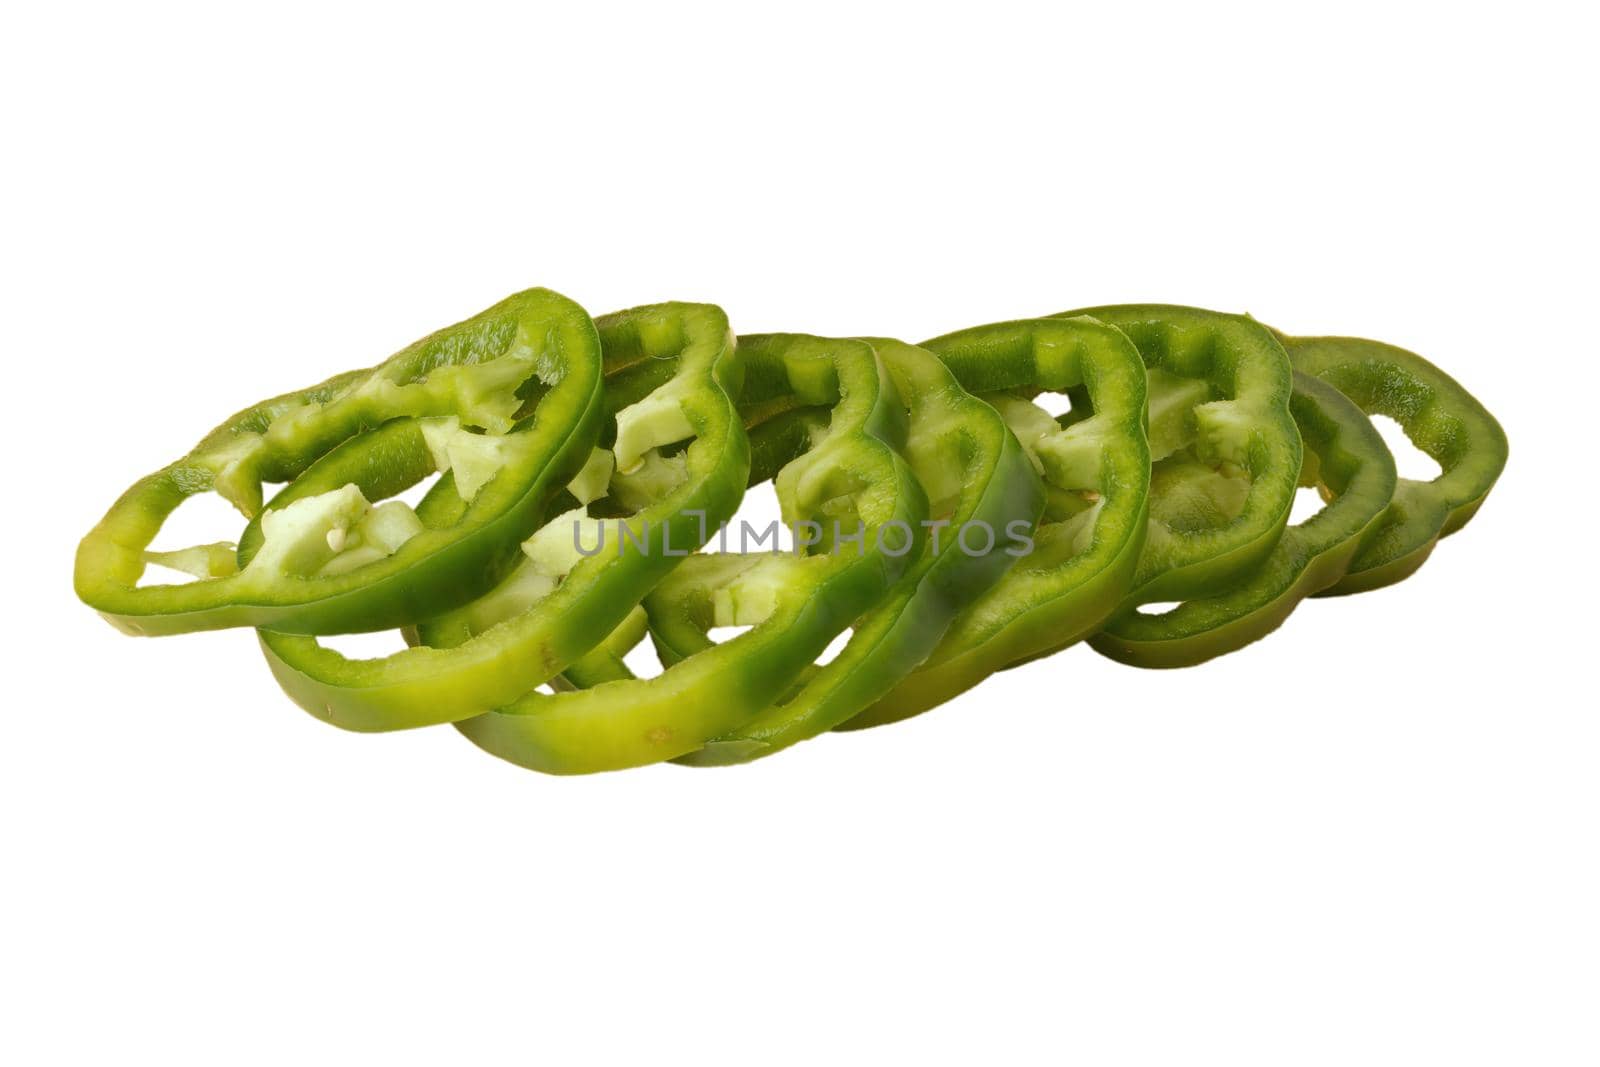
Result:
985,499
1347,461
1441,418
852,474
1225,462
534,347
1096,475
1226,454
677,372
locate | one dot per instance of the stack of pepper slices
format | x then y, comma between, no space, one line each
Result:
589,470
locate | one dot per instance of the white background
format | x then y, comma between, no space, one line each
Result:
1370,839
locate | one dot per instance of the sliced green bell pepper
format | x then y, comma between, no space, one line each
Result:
1096,471
1226,454
1441,418
794,604
1226,459
984,500
534,346
572,591
582,464
1346,459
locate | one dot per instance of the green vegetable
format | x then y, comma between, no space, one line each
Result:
940,513
1346,460
986,499
1226,452
1095,466
536,349
551,608
1441,418
849,481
